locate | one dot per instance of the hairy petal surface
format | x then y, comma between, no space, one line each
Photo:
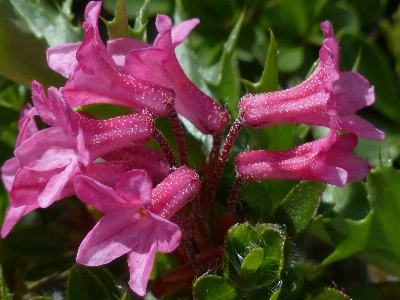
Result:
327,98
98,79
173,192
159,64
329,160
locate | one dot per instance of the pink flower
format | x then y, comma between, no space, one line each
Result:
153,162
135,221
50,158
104,172
96,78
329,160
327,98
158,64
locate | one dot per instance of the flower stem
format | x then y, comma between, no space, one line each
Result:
234,194
162,141
179,136
223,157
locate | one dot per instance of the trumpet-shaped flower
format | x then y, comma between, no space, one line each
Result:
327,98
329,160
50,158
158,63
104,172
135,221
96,78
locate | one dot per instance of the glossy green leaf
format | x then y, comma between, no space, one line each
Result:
91,283
372,238
49,21
391,31
375,67
299,207
4,292
349,201
269,77
22,54
119,27
213,287
253,256
328,293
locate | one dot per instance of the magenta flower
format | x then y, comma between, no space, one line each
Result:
135,221
329,160
327,98
96,78
158,63
50,158
105,172
153,162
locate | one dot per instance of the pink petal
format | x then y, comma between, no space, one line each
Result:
28,186
311,161
160,65
47,149
8,171
352,92
103,198
140,265
100,80
53,110
165,238
114,235
13,215
55,186
62,58
362,128
106,173
173,192
182,30
327,98
167,234
119,48
134,185
155,163
103,136
26,124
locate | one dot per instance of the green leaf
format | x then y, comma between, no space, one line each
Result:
299,207
349,201
91,283
328,293
118,27
376,68
22,54
4,293
269,77
163,262
49,21
374,238
254,256
213,287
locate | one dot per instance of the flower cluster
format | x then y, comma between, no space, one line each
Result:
141,191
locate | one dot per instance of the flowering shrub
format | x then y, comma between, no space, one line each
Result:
132,170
